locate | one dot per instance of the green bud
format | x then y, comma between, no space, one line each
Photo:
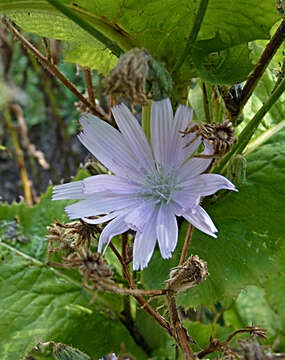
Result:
236,170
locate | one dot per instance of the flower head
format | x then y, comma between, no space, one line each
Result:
151,185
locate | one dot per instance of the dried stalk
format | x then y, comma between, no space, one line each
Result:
20,159
89,85
30,148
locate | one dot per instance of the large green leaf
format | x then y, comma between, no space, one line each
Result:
250,234
41,303
161,27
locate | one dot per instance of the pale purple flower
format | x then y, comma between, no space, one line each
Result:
151,186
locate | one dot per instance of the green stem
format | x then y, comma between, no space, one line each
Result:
249,130
116,50
193,34
146,114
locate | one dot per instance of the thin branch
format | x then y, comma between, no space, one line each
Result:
206,104
89,85
162,322
268,53
186,244
47,49
193,34
95,109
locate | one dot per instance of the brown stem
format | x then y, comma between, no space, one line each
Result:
186,244
206,104
95,109
179,332
268,53
89,85
47,49
126,272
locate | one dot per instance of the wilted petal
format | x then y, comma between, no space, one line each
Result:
144,244
134,135
115,227
201,220
207,184
161,123
166,231
108,146
100,203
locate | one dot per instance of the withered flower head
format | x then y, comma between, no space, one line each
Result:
138,77
128,78
90,265
219,135
190,274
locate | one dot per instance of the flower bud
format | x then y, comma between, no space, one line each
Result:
236,170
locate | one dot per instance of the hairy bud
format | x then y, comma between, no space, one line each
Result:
236,170
190,274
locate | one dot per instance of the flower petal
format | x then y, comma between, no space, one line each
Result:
115,227
178,151
144,244
69,191
166,231
134,136
111,183
101,203
195,166
186,199
201,220
207,184
161,123
138,217
108,146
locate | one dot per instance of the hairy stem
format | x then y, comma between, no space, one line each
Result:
193,34
179,332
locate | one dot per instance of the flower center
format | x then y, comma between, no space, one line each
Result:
159,186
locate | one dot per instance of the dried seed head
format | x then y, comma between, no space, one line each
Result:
190,274
128,78
90,265
138,77
281,6
220,135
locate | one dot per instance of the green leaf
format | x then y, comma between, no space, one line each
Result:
250,235
41,303
251,308
162,28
